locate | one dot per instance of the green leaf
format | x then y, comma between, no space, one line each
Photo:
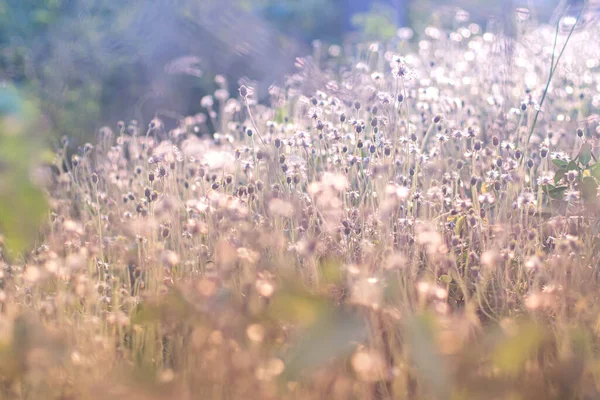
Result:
513,352
548,188
331,272
559,163
446,279
595,170
426,356
333,335
585,154
559,175
557,192
295,304
572,166
589,188
460,223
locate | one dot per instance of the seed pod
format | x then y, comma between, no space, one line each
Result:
473,258
304,224
518,154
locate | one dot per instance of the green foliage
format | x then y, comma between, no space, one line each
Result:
54,47
22,204
426,356
377,24
299,18
587,176
332,336
512,352
94,62
585,154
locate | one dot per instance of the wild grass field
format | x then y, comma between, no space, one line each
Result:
418,223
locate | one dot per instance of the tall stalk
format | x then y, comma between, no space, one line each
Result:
553,66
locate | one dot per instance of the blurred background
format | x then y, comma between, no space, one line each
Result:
94,62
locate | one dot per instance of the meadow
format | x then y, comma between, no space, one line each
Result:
397,221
